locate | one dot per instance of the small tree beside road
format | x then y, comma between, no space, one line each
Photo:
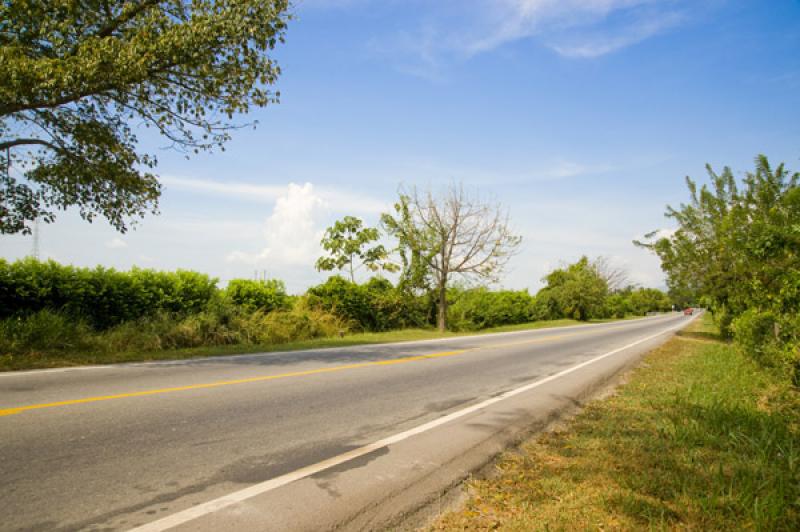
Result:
448,234
347,243
577,291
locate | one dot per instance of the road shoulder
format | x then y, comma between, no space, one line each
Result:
699,438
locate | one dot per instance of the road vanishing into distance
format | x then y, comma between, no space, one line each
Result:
363,437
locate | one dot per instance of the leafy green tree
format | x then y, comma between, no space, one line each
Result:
348,245
619,303
412,246
579,291
737,246
644,300
75,76
447,235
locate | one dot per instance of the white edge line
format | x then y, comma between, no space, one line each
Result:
214,505
187,361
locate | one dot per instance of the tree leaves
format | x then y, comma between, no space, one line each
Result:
735,244
74,75
453,233
346,242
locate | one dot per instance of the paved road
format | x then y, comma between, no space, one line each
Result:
116,447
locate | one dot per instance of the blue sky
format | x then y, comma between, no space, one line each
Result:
582,117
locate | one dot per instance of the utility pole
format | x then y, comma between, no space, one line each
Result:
35,252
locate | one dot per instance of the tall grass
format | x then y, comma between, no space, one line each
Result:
701,438
46,334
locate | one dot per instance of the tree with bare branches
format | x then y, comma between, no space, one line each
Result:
616,277
453,233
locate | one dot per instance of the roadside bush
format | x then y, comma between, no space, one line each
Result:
342,298
618,305
723,317
577,291
375,306
545,307
103,297
773,340
280,327
50,332
481,308
258,295
392,308
43,331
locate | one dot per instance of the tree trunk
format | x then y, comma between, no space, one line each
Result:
441,318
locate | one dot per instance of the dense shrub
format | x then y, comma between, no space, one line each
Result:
545,307
258,295
102,296
577,291
50,332
771,339
481,308
394,309
343,298
43,330
580,292
644,300
373,306
735,248
618,304
300,323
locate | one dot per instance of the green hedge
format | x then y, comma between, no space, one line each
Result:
258,295
376,305
772,339
481,308
102,296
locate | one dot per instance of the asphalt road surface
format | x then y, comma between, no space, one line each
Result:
355,438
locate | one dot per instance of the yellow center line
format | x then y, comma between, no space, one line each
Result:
217,384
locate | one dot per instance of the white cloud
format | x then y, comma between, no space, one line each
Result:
564,169
455,30
519,19
595,44
116,243
292,232
245,191
337,199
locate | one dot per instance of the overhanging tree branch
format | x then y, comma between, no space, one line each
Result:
26,142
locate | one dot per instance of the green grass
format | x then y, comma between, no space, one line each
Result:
74,356
699,438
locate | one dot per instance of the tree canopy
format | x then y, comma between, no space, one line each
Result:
450,234
347,242
77,79
737,247
577,291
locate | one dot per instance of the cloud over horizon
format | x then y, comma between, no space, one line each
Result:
292,232
576,29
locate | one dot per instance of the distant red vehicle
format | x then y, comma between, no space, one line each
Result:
688,311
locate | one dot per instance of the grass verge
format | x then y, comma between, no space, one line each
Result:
82,357
699,437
